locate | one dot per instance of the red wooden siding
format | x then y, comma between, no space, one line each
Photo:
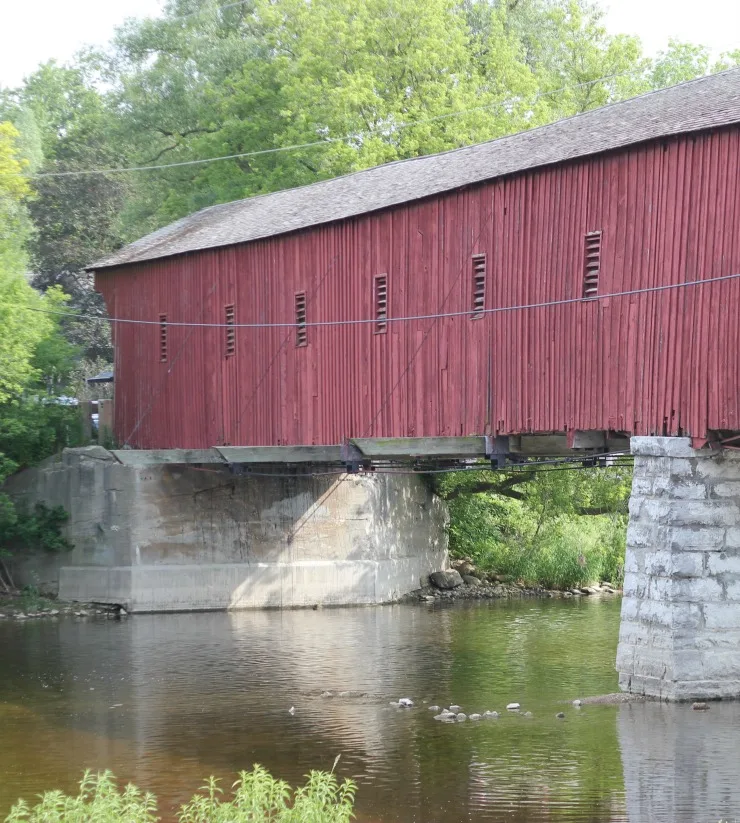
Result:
662,362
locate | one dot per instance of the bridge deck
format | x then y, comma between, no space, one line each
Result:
372,450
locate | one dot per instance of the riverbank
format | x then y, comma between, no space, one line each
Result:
25,605
463,581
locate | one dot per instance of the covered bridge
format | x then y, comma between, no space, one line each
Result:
538,283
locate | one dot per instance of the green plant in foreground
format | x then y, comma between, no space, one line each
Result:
99,801
257,797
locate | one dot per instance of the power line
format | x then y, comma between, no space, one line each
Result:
324,142
404,319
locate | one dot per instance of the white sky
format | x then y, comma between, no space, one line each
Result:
37,30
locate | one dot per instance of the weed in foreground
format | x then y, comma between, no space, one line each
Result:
257,796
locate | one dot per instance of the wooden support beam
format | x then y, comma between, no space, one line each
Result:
540,445
557,445
406,448
105,421
158,457
587,439
280,454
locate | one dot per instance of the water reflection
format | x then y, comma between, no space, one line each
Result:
166,700
680,764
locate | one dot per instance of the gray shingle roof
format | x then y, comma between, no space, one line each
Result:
700,104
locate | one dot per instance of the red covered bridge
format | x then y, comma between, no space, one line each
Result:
539,283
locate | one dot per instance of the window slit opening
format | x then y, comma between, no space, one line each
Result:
301,332
381,304
230,330
479,286
162,338
592,265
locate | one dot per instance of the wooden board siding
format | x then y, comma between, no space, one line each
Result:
657,363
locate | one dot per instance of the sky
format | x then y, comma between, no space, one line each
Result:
38,30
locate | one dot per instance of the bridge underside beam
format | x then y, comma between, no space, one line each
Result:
417,450
680,630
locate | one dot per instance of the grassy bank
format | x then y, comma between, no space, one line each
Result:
256,796
549,527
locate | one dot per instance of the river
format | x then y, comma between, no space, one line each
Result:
166,700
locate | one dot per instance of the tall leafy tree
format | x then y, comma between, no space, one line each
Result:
369,81
75,218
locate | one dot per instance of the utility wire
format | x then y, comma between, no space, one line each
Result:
324,142
404,319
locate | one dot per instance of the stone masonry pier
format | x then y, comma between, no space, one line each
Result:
680,629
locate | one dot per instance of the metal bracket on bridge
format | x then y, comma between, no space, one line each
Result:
497,450
352,457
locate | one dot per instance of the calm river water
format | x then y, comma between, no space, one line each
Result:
166,700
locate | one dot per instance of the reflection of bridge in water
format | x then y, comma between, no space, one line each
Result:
679,764
167,700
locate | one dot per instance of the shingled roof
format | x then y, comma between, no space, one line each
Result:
706,103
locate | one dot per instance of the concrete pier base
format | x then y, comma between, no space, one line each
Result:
183,537
680,631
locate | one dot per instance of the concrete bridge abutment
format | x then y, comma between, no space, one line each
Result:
680,630
174,537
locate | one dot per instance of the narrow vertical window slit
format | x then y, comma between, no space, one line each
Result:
230,331
479,286
162,338
381,303
301,331
592,265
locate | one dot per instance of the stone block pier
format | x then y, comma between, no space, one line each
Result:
680,631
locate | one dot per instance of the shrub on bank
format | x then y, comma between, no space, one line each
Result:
556,528
256,797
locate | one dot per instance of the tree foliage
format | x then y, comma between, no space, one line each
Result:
556,526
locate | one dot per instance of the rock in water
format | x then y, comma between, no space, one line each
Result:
490,714
513,707
434,709
700,707
446,580
291,710
460,717
455,709
470,580
528,714
475,717
577,704
560,715
405,702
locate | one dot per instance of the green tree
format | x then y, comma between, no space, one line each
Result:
558,526
273,74
75,218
